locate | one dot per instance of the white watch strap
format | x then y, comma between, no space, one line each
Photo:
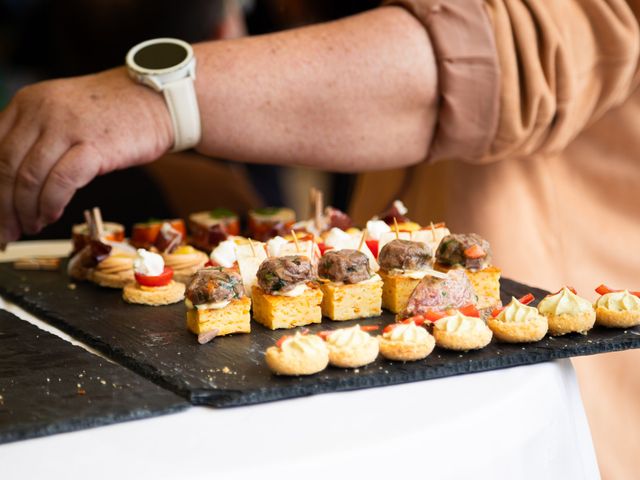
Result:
185,116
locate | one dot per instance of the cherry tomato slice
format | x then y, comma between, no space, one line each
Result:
155,281
474,251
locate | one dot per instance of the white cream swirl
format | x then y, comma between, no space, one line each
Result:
619,301
349,337
517,312
564,302
459,323
305,344
406,332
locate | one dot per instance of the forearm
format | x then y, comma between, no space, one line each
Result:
350,95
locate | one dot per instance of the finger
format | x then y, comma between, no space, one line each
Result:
32,173
77,167
13,147
7,117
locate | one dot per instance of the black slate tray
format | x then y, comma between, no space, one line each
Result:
49,386
230,371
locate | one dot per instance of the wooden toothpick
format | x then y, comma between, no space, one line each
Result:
253,249
89,220
362,240
295,240
395,227
433,231
97,218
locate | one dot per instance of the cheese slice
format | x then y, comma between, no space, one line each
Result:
248,262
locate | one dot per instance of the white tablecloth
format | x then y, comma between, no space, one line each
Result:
524,422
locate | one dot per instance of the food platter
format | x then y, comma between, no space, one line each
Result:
230,371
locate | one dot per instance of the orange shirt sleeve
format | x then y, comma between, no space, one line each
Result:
520,78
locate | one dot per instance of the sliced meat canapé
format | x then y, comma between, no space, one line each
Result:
282,274
469,250
440,294
213,285
346,266
405,255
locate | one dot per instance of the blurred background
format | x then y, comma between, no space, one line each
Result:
43,39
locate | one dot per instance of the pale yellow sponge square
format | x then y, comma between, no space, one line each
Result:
234,318
279,311
348,302
396,291
486,284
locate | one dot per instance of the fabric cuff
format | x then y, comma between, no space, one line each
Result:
468,75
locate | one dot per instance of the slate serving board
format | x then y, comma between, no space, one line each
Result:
230,371
49,386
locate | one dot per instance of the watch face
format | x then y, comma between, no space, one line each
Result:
160,56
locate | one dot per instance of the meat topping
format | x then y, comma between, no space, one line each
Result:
282,274
213,285
347,266
468,250
405,255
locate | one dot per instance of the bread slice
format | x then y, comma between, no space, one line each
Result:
348,302
234,318
486,285
396,291
278,311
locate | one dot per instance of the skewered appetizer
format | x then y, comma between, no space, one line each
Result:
350,289
268,222
437,294
405,342
517,322
217,304
145,234
402,264
566,312
457,331
473,253
299,354
249,257
154,284
617,308
107,263
210,228
351,347
80,234
286,295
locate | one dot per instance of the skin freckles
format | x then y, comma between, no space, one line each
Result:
338,96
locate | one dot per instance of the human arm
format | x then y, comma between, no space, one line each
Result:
350,95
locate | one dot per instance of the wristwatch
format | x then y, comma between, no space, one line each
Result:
168,65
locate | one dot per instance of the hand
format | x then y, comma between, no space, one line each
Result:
56,136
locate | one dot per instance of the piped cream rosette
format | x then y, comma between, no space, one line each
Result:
459,332
518,323
618,310
567,312
298,355
351,347
406,342
185,261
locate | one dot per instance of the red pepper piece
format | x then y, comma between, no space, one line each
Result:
282,339
155,281
369,328
323,247
603,289
373,246
475,251
417,319
390,327
469,311
525,300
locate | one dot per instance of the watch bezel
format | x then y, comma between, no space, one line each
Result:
146,71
